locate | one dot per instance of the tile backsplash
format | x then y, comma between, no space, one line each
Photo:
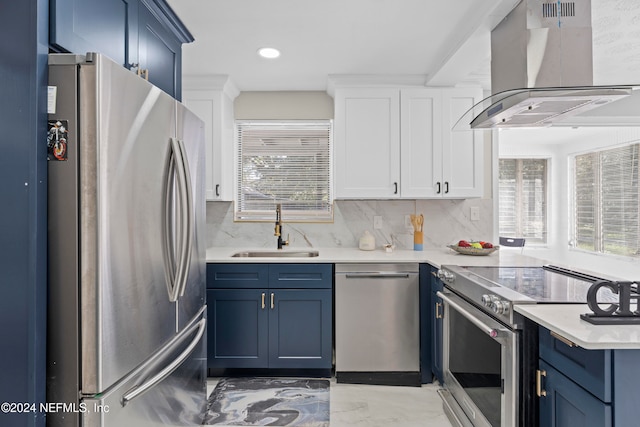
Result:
445,222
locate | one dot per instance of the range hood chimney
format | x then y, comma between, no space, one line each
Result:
542,67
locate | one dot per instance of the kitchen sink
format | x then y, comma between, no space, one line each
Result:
276,254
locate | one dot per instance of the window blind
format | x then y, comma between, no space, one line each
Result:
287,163
522,199
607,201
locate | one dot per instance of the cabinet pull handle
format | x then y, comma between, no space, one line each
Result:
438,314
144,73
438,184
562,339
272,301
395,188
540,392
263,295
217,190
446,187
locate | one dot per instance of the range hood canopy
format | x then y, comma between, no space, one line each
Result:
541,68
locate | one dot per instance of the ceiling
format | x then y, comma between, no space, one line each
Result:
439,43
414,39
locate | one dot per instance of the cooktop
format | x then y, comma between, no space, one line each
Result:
548,284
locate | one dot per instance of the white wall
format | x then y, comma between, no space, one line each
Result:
559,145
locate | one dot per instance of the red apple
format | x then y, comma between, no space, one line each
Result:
487,245
464,244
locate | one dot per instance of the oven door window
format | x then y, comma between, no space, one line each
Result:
475,361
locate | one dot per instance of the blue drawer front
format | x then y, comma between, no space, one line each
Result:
589,368
300,276
230,276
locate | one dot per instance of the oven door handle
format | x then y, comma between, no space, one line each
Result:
492,332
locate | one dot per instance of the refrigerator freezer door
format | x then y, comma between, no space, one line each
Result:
190,134
171,391
126,312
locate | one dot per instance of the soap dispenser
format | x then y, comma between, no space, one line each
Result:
367,241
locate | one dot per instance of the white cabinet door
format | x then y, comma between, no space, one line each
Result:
462,151
215,108
367,143
420,143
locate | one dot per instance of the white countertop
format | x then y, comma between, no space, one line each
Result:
564,319
435,257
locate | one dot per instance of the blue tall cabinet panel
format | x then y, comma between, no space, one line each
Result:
23,216
270,316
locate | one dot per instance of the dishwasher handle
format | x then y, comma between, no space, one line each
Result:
377,275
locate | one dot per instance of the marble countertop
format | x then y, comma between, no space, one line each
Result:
435,257
564,319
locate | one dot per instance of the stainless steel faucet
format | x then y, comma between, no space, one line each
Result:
278,228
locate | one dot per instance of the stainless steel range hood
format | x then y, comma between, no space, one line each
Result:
541,68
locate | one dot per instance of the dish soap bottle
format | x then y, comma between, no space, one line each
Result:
367,241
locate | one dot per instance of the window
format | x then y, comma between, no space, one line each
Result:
287,163
606,201
522,199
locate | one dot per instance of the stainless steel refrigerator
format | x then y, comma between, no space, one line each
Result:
126,305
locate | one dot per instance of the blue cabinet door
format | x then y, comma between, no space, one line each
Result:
566,404
436,325
237,328
300,328
82,26
159,53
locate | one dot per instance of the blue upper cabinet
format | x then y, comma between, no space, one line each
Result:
142,35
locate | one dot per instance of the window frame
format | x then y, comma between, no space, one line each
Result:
531,241
598,240
288,214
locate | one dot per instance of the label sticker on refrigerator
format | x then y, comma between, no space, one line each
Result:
52,94
57,140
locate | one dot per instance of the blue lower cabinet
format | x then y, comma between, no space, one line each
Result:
253,324
300,329
237,328
437,308
566,404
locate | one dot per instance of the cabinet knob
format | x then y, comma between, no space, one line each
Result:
272,301
446,187
263,295
439,189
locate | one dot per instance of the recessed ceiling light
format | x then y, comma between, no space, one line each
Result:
269,52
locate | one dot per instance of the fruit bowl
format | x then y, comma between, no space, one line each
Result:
468,250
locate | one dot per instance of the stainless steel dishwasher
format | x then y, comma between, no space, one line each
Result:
377,324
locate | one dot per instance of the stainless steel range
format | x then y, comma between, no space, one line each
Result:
489,350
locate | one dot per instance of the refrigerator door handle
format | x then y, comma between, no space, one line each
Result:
138,390
177,223
189,221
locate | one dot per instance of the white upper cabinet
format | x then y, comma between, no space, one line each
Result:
367,143
212,101
398,143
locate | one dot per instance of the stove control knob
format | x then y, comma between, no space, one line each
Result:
486,300
500,307
446,276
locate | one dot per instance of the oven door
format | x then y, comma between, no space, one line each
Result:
480,364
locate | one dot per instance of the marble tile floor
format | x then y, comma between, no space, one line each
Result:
381,406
